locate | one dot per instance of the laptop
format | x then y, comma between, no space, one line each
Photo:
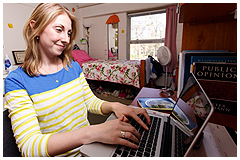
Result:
169,135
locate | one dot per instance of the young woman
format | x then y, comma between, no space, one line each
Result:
48,96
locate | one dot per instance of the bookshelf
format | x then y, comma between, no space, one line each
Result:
210,26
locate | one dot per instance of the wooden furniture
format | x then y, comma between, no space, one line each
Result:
217,118
210,26
142,77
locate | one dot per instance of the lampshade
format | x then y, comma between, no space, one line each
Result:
87,25
113,19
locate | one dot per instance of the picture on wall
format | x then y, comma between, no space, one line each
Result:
18,56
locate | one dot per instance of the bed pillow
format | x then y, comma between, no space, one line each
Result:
80,55
110,53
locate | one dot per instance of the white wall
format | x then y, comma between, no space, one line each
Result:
98,36
179,37
18,14
97,15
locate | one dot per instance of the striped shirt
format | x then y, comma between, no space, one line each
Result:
39,107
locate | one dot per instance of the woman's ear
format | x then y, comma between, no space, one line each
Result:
32,24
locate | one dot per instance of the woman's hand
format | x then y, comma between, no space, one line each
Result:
126,111
122,110
116,132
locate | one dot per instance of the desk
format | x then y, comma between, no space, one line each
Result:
216,141
217,118
148,92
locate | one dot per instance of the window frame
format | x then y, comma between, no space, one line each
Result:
129,41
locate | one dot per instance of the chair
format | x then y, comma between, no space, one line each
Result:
10,148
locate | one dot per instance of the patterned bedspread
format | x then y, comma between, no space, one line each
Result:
119,71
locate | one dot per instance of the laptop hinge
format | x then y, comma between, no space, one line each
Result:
166,139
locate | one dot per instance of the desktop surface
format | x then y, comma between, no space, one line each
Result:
216,118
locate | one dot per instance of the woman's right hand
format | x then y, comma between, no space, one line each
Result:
112,132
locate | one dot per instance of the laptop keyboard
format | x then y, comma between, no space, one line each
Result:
180,146
148,140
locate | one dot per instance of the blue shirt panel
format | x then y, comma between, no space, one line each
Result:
18,79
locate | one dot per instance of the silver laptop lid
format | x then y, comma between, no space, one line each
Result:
193,109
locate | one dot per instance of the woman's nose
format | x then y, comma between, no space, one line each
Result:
65,38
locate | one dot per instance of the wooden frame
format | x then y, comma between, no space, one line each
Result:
18,56
142,73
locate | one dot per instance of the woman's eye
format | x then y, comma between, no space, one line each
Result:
69,33
59,29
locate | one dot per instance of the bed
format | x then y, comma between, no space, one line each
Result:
127,72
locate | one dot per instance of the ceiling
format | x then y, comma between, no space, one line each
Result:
79,5
83,5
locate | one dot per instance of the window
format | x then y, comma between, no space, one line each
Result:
147,33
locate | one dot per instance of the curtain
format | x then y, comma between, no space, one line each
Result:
170,35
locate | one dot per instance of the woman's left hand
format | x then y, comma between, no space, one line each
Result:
127,111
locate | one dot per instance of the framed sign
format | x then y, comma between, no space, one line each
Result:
18,56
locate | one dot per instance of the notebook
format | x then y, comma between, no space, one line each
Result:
169,135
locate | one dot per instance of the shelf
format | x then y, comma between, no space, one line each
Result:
210,26
206,12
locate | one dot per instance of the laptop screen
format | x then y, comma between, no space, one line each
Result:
193,107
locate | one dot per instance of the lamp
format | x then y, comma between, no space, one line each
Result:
86,26
83,41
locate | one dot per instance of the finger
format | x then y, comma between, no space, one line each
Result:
130,136
138,120
125,119
129,128
147,117
125,142
145,114
121,118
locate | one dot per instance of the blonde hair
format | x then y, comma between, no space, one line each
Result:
43,15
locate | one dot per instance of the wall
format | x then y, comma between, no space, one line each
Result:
98,36
97,15
179,38
12,37
17,14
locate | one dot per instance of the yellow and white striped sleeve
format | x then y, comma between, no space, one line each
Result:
25,125
93,103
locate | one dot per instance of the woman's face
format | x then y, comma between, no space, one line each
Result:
56,36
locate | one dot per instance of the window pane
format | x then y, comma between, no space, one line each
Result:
148,26
141,51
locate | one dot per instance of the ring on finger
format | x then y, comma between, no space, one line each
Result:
123,134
